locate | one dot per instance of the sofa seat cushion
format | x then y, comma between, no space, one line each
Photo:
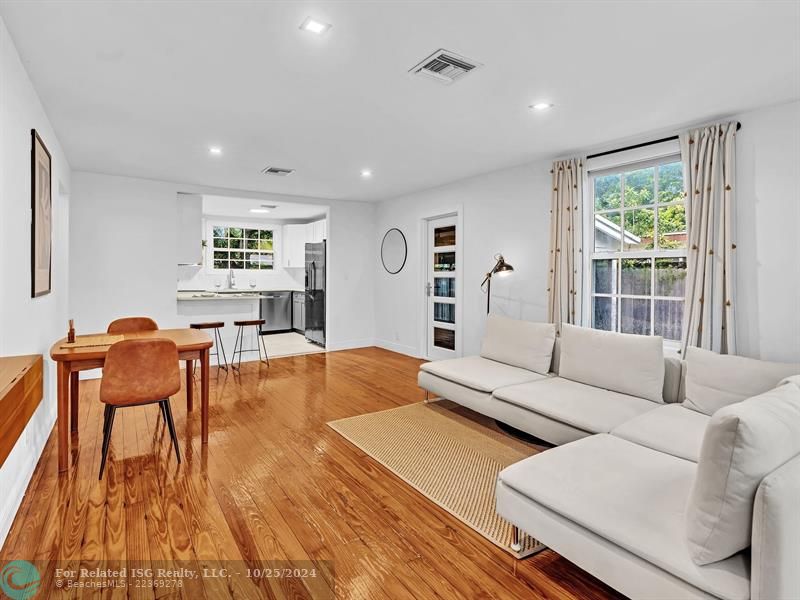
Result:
480,373
672,429
632,496
588,408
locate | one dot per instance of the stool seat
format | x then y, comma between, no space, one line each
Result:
209,325
248,323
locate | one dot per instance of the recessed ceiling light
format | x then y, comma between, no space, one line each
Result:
215,150
366,173
259,210
541,106
315,26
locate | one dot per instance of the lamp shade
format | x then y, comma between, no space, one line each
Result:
502,266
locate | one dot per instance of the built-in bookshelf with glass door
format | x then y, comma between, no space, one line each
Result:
443,270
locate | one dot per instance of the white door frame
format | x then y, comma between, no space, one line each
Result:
457,211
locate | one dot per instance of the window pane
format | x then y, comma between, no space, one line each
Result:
252,244
444,287
444,236
607,232
670,182
220,243
605,276
265,245
669,319
237,243
636,276
604,314
220,232
445,313
639,229
635,315
235,232
220,255
220,264
670,277
444,261
444,338
639,187
251,234
607,192
237,256
266,234
672,227
237,264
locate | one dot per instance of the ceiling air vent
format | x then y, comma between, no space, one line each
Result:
445,66
279,171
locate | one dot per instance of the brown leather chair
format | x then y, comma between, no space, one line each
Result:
132,325
138,372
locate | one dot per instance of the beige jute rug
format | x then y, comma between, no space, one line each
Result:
449,454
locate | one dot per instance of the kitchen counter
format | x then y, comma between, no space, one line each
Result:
219,296
249,294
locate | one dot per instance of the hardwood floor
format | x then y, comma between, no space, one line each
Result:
273,484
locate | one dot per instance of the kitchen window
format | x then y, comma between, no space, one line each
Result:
638,242
242,248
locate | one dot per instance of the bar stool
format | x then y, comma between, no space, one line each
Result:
138,372
215,325
240,341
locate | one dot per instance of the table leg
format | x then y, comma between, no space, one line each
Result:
189,386
204,395
74,396
62,385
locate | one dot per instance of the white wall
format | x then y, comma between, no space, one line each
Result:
505,211
123,255
768,233
27,325
508,211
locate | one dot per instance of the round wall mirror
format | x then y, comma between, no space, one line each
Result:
394,251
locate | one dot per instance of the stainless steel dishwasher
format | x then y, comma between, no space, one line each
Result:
276,310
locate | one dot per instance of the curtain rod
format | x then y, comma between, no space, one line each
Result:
643,144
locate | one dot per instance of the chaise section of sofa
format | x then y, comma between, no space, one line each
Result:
617,510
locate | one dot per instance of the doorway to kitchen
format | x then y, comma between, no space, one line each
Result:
443,289
253,259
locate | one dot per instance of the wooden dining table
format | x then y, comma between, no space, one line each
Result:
192,344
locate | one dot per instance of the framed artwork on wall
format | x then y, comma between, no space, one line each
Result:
42,217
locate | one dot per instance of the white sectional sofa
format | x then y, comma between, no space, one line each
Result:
672,479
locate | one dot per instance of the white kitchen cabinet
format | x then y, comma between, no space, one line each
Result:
189,225
316,231
294,246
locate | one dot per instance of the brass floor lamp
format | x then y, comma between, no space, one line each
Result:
502,268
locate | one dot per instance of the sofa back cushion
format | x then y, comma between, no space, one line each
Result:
743,443
716,380
519,343
625,363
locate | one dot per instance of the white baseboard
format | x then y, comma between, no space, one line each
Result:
349,344
400,348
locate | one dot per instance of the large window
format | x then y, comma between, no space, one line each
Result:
638,264
242,248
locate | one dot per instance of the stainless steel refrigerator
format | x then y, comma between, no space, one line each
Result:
315,292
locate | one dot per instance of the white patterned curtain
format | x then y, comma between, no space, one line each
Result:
708,156
566,244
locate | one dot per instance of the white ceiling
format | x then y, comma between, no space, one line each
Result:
223,206
143,88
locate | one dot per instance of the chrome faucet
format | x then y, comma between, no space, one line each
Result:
231,279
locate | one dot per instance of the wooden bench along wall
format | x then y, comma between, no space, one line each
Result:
21,391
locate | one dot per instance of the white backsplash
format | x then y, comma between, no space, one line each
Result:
199,278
